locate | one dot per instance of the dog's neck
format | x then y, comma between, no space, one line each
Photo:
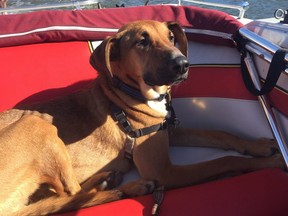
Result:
159,104
134,92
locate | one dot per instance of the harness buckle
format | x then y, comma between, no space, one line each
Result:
161,97
129,145
120,116
133,134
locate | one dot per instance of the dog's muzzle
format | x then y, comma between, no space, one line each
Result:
180,65
175,71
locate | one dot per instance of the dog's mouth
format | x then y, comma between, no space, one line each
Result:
181,79
165,80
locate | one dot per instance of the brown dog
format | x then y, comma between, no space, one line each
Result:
90,137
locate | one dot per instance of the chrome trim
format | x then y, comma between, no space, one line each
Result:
257,42
260,52
209,32
241,7
275,127
75,4
253,37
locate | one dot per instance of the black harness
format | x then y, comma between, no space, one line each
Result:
120,116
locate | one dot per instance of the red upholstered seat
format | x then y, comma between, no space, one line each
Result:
262,193
36,72
39,72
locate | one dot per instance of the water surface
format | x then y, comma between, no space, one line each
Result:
258,8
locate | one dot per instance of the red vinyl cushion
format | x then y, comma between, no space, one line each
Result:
54,69
261,193
38,72
213,81
41,71
224,82
279,99
187,16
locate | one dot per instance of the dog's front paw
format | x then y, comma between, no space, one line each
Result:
112,180
277,161
262,147
137,188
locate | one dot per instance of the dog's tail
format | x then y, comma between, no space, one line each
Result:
64,204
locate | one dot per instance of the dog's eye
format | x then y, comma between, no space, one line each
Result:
143,42
171,38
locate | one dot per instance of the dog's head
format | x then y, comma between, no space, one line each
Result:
143,55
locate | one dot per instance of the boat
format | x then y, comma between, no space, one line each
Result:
45,54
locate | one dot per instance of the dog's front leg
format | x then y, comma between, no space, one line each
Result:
222,140
152,161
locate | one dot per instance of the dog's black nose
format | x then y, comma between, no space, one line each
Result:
180,65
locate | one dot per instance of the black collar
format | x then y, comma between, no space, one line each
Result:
135,93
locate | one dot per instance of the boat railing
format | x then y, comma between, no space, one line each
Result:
73,4
257,42
256,45
241,7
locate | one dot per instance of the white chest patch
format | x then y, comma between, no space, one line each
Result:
159,106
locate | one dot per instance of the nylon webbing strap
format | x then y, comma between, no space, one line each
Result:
120,116
131,133
277,65
158,196
128,90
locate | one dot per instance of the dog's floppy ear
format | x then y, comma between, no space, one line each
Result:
106,52
180,37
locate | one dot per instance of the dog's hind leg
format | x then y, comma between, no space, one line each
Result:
86,199
55,167
32,154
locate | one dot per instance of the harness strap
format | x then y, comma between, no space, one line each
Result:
128,147
172,120
158,196
120,116
131,134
